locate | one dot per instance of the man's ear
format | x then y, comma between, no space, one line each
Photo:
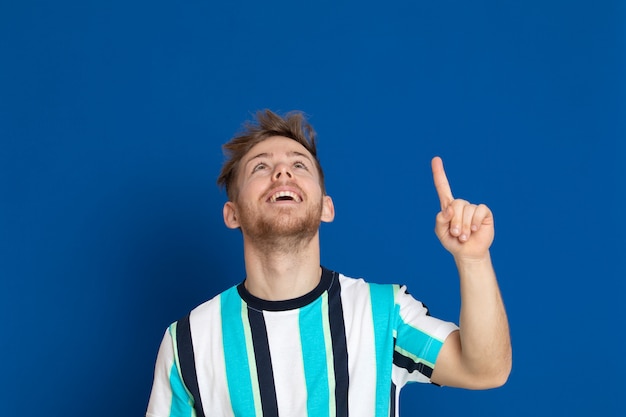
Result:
230,215
328,209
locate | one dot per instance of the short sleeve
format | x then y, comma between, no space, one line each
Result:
419,338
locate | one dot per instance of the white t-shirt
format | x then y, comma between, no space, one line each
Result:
347,345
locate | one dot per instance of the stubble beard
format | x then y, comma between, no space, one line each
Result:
281,231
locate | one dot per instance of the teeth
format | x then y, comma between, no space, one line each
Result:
280,194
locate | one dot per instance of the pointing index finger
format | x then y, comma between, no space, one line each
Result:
441,183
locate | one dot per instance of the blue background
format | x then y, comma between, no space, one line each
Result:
112,115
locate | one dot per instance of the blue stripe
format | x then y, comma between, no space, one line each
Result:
382,308
181,405
420,344
315,361
235,354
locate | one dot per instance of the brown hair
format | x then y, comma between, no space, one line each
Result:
292,125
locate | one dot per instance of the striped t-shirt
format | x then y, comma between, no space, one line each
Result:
346,348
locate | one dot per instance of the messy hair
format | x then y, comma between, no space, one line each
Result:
292,125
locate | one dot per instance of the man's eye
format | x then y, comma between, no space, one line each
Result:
299,164
259,166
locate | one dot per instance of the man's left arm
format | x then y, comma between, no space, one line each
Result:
478,356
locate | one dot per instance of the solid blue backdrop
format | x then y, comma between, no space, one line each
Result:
112,115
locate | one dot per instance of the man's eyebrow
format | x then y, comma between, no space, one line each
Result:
269,155
296,153
261,155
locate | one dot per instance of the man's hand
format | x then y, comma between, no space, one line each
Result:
479,355
466,230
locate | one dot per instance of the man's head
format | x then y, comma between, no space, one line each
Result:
267,124
275,184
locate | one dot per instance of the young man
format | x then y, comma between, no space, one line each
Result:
297,339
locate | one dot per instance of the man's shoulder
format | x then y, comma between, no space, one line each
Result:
212,306
349,283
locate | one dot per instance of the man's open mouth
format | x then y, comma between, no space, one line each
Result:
285,196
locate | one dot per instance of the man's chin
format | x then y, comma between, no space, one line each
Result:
291,229
283,226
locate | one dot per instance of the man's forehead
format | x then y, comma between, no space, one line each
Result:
276,145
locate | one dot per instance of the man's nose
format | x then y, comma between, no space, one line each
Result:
282,171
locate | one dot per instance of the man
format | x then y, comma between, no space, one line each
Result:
297,339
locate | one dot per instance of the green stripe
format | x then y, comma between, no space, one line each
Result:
237,354
314,353
382,299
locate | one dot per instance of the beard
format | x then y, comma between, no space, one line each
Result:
282,230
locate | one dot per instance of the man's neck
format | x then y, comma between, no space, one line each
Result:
282,272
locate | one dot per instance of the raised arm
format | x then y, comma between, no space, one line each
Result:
479,355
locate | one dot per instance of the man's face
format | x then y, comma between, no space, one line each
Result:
279,192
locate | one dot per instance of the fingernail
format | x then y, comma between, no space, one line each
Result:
463,237
455,231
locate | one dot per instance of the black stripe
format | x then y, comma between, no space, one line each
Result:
340,347
265,374
392,401
187,360
410,365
